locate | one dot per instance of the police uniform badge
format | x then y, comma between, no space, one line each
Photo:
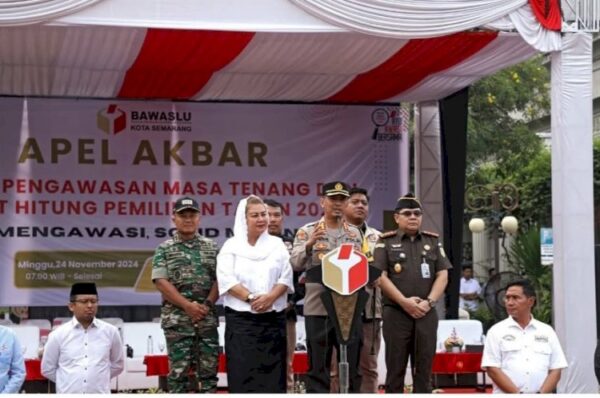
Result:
301,235
321,246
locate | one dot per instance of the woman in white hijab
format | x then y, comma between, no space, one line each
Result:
254,276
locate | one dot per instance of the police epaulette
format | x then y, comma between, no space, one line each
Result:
388,234
428,233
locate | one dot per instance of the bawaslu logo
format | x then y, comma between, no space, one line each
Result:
114,120
111,120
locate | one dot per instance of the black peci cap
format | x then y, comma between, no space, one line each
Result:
408,201
83,288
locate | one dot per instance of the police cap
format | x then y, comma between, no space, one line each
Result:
335,188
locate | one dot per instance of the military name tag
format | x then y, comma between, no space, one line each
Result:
425,271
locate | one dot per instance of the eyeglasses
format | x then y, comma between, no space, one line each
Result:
86,302
408,213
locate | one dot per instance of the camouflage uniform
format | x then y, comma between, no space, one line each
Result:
191,267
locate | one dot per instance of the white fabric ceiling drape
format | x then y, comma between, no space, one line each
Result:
24,12
85,62
409,18
524,21
55,61
431,18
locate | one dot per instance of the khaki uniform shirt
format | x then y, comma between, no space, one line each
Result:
301,261
371,236
411,265
191,267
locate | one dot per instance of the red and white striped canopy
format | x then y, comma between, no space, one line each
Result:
199,65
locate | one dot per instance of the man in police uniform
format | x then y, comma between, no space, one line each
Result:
522,354
311,243
184,271
356,213
415,274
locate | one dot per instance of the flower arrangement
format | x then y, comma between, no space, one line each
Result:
453,343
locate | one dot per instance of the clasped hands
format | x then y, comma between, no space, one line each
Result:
262,303
416,307
197,311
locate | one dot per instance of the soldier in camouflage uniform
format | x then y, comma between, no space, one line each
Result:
184,271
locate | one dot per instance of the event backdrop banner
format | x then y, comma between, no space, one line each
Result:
87,187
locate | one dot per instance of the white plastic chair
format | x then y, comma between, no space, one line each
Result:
470,330
43,324
135,334
29,337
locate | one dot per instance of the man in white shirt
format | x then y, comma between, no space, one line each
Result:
469,290
83,355
521,354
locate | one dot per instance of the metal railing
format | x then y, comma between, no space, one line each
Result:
581,15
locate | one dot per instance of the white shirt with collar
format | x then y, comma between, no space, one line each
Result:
82,360
467,287
525,355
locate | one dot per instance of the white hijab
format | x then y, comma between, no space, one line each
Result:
238,244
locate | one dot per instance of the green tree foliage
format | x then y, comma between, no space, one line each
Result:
535,190
502,147
501,106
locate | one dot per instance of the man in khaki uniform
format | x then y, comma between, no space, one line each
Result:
356,213
415,274
311,243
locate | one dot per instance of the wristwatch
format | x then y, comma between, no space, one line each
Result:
431,302
250,298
